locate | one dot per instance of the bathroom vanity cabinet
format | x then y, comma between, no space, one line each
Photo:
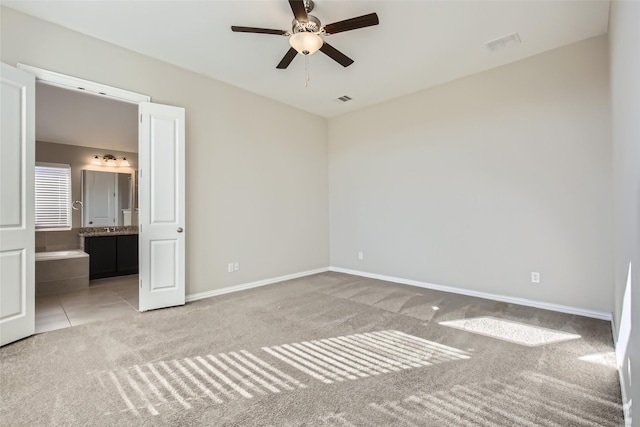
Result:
111,256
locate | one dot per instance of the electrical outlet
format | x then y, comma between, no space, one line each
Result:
230,267
535,277
360,256
236,266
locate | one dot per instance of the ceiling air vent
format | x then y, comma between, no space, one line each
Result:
502,42
343,98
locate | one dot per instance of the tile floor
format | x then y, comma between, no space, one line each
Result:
104,299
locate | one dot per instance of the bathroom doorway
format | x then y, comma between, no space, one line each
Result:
75,128
161,196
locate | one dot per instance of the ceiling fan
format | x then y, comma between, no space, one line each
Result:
306,30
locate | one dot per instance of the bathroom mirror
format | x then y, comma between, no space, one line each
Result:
108,199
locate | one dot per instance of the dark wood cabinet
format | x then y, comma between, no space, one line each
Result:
127,254
111,256
102,256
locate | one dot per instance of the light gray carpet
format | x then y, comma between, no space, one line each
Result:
326,350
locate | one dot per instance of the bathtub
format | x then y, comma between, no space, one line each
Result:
61,271
50,256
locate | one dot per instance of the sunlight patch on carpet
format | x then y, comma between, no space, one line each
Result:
530,399
362,355
511,401
508,330
146,389
607,359
143,389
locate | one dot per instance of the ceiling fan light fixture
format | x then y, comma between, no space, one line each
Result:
306,43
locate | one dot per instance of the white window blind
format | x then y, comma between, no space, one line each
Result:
53,196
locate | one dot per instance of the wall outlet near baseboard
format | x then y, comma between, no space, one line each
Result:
230,267
360,256
535,277
236,266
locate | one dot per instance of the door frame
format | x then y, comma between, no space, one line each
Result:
84,86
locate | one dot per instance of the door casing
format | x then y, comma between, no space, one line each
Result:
83,86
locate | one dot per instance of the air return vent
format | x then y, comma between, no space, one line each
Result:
502,42
343,98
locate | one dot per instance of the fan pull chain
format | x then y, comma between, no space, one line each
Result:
306,70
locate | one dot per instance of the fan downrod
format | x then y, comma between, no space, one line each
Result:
308,5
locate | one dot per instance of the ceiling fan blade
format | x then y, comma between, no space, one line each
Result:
336,55
352,24
288,57
257,30
299,11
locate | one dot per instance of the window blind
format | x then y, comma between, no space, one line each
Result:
53,196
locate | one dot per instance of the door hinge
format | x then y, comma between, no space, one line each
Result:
140,118
140,283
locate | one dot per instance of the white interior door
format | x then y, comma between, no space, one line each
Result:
161,212
17,235
100,198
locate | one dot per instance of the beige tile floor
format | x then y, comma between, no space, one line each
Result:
104,299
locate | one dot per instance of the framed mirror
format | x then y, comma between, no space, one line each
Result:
108,199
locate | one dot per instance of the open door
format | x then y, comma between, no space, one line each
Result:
17,235
161,213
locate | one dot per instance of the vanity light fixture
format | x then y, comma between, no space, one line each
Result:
110,160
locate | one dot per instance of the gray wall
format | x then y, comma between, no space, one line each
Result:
478,182
624,45
256,189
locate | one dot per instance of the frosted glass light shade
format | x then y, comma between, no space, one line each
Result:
306,43
96,161
124,162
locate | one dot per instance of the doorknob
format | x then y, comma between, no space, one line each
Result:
180,229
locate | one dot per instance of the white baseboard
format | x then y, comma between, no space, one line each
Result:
243,286
513,300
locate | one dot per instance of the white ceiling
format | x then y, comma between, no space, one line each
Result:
418,44
69,117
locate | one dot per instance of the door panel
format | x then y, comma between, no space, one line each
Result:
13,301
162,176
11,160
102,252
17,235
127,254
164,257
162,211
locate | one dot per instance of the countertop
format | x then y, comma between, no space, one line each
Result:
107,231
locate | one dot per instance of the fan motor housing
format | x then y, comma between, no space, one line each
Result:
311,26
